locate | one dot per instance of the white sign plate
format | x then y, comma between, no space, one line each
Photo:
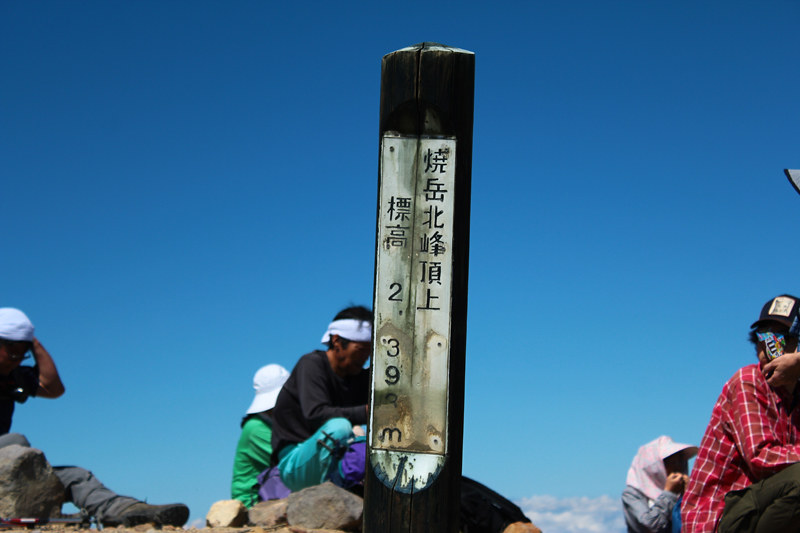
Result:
413,290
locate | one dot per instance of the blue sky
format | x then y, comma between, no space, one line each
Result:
189,192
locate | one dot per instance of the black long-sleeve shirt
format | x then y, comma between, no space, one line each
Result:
311,396
22,382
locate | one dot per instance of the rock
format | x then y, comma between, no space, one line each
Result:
227,513
268,514
28,486
325,506
298,529
522,527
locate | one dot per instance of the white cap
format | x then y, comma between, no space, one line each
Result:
267,382
14,325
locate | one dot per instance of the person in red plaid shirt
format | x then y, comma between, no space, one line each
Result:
747,473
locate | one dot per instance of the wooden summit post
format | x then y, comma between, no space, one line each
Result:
413,477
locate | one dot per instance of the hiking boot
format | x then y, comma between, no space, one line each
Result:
174,514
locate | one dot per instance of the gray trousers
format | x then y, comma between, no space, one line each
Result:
80,486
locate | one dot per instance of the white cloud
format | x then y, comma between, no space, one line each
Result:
197,524
574,515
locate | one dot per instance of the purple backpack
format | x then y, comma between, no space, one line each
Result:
352,466
270,486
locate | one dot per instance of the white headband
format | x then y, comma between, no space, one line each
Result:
350,329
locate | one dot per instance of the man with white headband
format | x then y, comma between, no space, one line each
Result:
17,383
324,397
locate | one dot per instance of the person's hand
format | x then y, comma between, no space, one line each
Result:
35,345
676,482
783,371
50,385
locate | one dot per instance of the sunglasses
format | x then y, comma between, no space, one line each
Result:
15,355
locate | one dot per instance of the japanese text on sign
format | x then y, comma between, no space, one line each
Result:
413,295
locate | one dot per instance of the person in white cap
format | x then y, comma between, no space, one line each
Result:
321,402
656,480
254,450
17,383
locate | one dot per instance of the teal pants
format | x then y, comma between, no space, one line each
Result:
770,506
311,462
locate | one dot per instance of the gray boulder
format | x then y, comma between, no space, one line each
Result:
325,506
28,486
268,514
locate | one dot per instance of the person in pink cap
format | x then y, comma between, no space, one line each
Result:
656,480
254,450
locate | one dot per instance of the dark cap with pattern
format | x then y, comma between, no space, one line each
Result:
782,309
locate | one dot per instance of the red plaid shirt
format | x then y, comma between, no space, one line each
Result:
753,433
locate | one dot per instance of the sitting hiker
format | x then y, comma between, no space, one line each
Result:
17,383
655,483
254,451
319,412
746,477
325,396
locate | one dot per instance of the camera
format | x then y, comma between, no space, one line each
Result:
11,388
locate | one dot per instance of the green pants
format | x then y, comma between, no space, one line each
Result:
770,506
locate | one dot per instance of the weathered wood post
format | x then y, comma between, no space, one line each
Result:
420,297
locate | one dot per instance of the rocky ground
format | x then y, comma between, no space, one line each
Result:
256,529
29,488
60,528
